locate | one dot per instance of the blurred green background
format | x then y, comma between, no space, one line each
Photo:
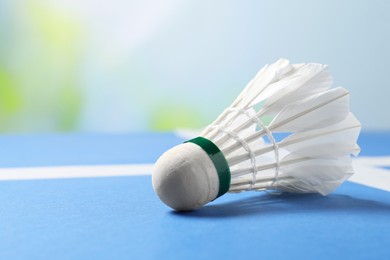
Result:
117,66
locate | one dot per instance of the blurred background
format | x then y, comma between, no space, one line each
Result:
117,66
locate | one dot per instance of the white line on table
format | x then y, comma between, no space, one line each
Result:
84,171
368,172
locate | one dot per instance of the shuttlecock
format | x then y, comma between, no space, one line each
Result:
239,152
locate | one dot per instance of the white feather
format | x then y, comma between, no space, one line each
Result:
322,133
316,111
308,79
329,142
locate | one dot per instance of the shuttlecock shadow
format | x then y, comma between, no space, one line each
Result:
288,203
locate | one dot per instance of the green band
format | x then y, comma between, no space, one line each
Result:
218,160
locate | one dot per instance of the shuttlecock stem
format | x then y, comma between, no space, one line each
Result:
276,125
244,171
266,82
249,139
243,126
210,132
268,105
242,157
260,185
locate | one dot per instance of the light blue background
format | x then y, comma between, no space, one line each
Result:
135,65
230,40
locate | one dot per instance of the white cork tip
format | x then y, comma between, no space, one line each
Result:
185,178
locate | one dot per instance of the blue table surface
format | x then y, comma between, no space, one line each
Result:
121,217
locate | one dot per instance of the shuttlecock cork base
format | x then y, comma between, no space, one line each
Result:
191,174
238,151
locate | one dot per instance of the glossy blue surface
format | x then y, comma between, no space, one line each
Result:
121,217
